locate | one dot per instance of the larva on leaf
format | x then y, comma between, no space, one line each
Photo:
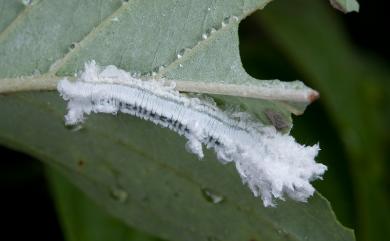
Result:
270,163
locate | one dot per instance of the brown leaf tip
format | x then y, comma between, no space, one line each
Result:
313,96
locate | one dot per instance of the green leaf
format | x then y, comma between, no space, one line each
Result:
139,172
8,11
139,36
345,6
82,220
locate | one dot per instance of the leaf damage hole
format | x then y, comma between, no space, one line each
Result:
260,56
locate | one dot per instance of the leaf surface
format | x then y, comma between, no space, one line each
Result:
82,220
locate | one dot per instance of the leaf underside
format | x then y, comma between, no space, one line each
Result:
139,172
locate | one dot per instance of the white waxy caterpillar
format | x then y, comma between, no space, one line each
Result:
270,163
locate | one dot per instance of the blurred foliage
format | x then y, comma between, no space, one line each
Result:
300,39
306,40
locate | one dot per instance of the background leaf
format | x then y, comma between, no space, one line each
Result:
354,88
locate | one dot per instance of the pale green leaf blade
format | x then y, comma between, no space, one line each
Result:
139,36
9,10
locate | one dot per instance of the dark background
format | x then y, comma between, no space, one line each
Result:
26,206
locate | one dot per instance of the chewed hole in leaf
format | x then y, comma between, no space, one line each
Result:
260,56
